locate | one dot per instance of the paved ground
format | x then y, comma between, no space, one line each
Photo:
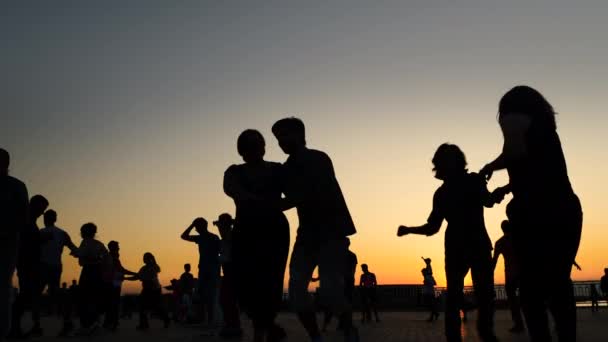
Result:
395,326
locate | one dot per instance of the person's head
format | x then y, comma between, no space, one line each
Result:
449,161
364,268
528,101
88,230
251,146
74,282
200,225
5,161
38,205
290,133
187,268
113,246
423,271
149,259
606,271
506,226
50,217
174,282
224,224
64,285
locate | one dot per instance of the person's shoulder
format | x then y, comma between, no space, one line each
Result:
234,168
15,182
320,155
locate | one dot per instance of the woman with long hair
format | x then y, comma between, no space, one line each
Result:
151,292
545,212
260,236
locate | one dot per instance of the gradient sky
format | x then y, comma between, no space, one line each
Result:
126,114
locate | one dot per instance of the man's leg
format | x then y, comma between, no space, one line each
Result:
333,258
301,267
8,258
482,273
455,271
511,286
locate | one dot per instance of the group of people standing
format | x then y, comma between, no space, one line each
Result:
544,213
36,255
544,220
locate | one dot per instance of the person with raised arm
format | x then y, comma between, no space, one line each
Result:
460,200
208,266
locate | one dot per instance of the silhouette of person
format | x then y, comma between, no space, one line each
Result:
150,298
604,284
185,288
13,219
368,286
545,212
324,226
68,302
594,296
428,294
28,271
208,266
94,259
504,246
228,296
55,239
349,289
260,238
116,276
460,200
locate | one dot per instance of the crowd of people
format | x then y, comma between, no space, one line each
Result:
544,213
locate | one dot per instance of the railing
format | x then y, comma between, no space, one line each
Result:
409,297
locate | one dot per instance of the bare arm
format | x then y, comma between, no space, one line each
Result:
187,236
514,128
427,229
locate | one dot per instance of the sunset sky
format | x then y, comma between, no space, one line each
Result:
127,114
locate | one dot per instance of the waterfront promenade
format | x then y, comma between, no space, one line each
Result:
395,326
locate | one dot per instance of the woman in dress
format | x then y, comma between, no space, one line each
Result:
260,235
545,212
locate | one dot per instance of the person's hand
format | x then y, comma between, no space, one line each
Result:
498,195
403,230
486,172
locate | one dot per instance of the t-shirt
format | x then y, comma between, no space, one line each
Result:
225,251
310,182
14,204
148,275
92,252
209,251
604,284
186,282
52,248
504,246
368,280
461,202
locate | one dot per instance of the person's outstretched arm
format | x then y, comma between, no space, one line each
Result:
68,243
433,223
186,234
514,128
